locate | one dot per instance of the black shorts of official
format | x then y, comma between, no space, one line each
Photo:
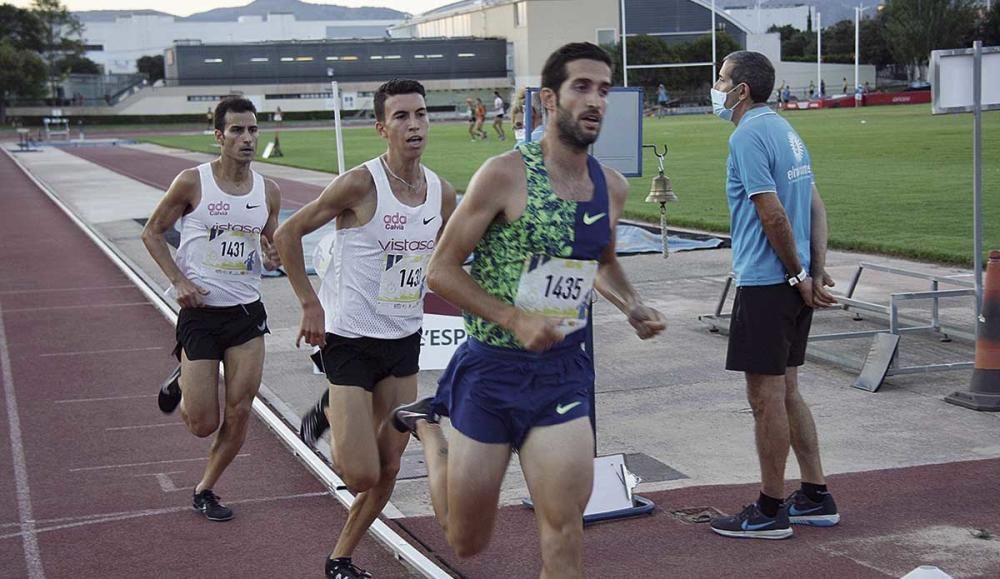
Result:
206,333
364,362
768,330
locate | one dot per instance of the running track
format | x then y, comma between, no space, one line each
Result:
159,171
94,481
891,517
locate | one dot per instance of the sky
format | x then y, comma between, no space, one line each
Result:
187,7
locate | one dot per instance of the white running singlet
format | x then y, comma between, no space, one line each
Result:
374,286
220,242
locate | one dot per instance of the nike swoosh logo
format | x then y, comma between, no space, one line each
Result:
592,219
252,206
794,512
748,527
563,409
262,327
426,221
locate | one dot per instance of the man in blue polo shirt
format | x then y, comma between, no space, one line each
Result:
778,225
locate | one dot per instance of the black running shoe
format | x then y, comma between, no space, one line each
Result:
343,568
804,511
170,392
314,422
404,418
207,503
750,523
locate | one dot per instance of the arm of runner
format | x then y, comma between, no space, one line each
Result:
489,197
269,253
611,280
179,199
339,197
822,298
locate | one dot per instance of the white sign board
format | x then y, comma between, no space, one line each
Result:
620,144
951,80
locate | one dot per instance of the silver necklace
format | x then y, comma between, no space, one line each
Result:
397,177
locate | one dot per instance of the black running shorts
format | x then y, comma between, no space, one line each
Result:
768,330
364,362
206,333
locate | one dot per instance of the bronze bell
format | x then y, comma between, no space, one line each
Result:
661,191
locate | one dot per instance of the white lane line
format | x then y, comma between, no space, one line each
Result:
32,557
135,464
89,352
79,307
65,289
103,399
114,517
141,426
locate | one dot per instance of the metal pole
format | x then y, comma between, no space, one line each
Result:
714,57
624,48
977,170
336,127
819,53
857,50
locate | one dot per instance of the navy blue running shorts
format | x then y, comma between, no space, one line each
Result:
497,395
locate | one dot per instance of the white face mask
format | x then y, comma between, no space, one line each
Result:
719,104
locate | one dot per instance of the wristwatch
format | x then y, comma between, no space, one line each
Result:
794,280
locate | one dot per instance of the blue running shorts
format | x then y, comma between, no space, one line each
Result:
497,395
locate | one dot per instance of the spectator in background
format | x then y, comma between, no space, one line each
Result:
480,119
846,86
499,108
472,118
868,87
812,89
822,88
662,98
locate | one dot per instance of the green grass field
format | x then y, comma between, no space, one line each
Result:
900,183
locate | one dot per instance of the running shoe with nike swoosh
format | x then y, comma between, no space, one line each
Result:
804,511
750,523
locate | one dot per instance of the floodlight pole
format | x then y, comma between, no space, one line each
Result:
819,55
714,57
857,49
624,49
977,169
335,88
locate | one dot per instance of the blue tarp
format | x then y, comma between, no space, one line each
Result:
632,240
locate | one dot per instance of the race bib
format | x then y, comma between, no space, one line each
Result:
557,287
231,253
401,290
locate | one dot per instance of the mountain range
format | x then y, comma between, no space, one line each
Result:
301,10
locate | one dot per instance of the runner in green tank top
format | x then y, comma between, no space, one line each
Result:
541,219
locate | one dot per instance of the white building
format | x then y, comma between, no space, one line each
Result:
117,43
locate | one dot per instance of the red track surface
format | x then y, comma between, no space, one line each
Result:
104,488
874,505
159,171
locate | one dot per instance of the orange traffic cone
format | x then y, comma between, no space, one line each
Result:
984,394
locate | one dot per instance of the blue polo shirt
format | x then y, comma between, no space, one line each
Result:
767,155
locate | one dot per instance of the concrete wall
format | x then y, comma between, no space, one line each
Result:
798,75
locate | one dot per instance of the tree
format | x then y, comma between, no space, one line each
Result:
61,36
76,64
916,27
21,28
151,66
22,74
989,27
